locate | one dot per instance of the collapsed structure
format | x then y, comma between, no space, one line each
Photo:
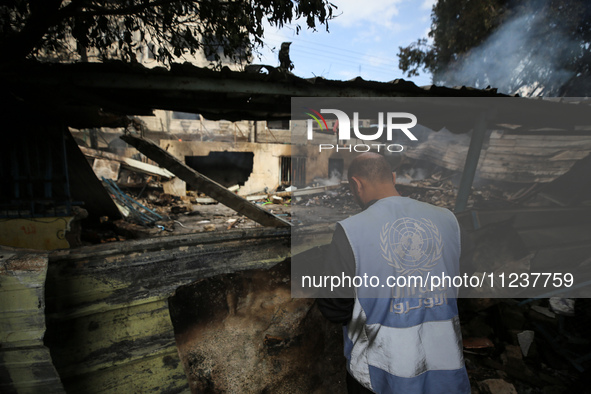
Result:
129,315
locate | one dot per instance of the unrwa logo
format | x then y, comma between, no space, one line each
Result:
344,124
411,245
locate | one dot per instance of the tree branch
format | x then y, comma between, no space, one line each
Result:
44,15
102,11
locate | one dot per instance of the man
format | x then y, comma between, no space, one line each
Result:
285,63
404,339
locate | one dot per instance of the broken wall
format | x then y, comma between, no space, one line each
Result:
194,127
272,132
266,162
318,163
265,171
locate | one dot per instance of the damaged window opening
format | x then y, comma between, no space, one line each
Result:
293,171
184,115
33,179
336,168
226,168
278,124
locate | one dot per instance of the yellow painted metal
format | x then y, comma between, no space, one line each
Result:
102,335
124,349
22,278
29,371
161,373
109,326
25,362
35,233
108,321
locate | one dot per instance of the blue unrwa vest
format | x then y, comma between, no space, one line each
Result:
406,338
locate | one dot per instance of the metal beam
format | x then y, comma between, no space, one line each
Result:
203,183
471,164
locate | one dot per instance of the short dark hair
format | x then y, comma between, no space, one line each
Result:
371,166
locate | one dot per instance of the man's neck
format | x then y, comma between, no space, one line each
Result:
384,192
373,201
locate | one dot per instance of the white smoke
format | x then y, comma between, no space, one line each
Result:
413,174
335,179
524,55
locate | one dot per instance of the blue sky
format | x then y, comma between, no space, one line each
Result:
363,41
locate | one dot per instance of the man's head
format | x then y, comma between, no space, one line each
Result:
371,178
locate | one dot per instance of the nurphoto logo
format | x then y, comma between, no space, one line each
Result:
343,123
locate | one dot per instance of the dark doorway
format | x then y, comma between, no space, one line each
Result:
335,168
226,168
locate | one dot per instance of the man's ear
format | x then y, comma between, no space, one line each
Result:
356,183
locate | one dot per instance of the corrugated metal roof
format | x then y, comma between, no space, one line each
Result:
88,94
78,90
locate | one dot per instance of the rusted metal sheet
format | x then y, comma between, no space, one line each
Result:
109,328
25,363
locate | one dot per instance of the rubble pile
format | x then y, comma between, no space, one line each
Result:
327,206
440,188
338,203
513,346
441,194
192,213
152,203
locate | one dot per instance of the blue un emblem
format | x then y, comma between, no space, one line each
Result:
410,245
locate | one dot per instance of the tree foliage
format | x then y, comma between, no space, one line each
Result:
526,46
116,29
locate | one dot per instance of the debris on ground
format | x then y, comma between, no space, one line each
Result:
506,351
510,346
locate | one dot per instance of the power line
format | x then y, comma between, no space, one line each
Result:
300,40
342,59
352,67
